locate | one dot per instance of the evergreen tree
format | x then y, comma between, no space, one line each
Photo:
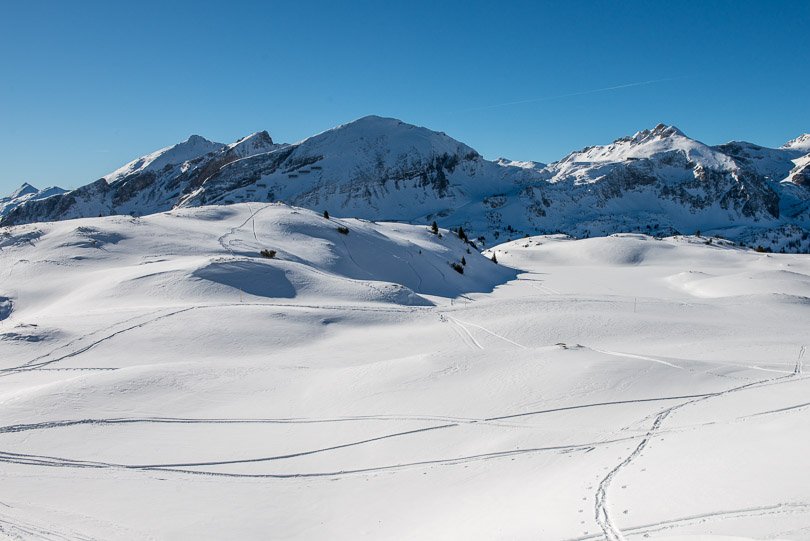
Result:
463,261
326,214
494,258
434,228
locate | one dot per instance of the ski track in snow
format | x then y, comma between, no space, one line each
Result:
35,364
603,516
14,528
634,356
38,363
463,325
466,333
645,529
232,231
181,467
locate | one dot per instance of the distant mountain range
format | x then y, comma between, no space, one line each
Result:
658,181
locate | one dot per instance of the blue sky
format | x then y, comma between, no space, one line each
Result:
86,86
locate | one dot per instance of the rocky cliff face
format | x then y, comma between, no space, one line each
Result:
657,181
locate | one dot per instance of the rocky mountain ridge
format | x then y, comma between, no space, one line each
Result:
657,181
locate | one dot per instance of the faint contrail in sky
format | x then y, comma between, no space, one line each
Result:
572,94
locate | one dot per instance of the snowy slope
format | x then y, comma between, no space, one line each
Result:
657,181
159,379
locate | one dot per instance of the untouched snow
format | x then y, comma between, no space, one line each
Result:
160,379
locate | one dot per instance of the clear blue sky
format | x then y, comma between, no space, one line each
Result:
87,86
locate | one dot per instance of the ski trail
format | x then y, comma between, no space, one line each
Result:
799,363
603,518
18,529
466,332
81,338
541,286
45,425
601,507
33,365
496,335
61,462
634,356
780,508
233,230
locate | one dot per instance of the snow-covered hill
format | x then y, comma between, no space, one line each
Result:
214,254
160,379
658,181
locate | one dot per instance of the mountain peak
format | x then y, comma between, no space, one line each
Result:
259,137
389,135
661,131
197,139
25,189
374,122
802,142
255,143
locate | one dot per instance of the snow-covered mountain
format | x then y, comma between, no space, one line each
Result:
25,193
658,181
152,183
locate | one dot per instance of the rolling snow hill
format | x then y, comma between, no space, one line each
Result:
160,379
658,181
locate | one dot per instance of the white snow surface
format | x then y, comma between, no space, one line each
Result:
159,379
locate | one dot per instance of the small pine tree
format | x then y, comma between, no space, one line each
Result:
434,228
326,214
463,261
494,258
461,234
343,230
697,233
